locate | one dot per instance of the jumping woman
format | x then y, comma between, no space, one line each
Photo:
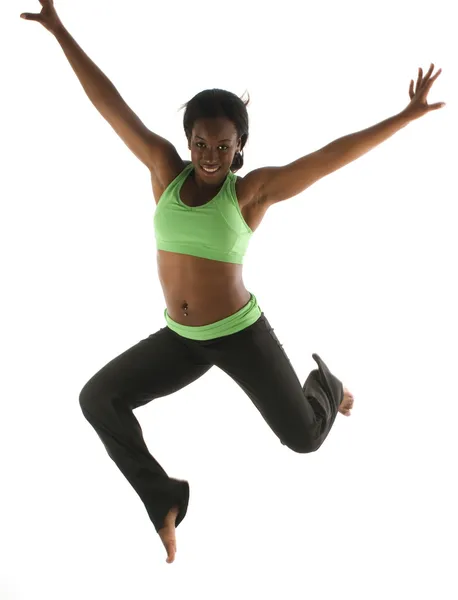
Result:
204,220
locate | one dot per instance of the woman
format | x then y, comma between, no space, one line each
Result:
204,219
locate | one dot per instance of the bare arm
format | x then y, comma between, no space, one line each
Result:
149,147
145,144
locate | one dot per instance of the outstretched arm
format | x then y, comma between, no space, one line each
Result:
348,148
274,184
148,146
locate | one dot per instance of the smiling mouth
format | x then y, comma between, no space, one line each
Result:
210,170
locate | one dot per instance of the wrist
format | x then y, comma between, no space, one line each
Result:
405,117
58,30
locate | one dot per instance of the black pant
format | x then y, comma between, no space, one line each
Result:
301,416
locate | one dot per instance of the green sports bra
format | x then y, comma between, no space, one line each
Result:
215,230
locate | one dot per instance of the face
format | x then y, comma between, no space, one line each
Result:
213,143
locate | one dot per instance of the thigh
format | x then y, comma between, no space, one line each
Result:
255,359
159,365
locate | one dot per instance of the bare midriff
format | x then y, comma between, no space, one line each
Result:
199,291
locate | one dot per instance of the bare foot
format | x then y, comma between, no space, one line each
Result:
167,534
347,403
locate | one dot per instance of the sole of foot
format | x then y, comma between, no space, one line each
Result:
347,403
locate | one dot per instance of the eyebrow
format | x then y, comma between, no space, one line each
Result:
201,138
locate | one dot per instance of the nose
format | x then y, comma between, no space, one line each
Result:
211,158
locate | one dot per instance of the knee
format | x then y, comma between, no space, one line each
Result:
98,402
304,446
85,402
88,399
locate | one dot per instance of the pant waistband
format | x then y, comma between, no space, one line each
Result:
242,319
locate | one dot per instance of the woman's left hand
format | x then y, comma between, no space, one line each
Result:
418,105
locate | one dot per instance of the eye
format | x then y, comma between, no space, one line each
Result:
222,146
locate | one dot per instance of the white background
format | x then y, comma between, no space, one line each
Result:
360,268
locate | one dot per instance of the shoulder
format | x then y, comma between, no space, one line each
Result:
248,192
165,173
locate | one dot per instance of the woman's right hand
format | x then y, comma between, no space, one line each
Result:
48,16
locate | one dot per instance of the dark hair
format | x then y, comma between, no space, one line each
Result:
219,103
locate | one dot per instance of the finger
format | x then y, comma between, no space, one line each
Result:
419,79
431,69
436,106
29,16
432,80
436,75
411,94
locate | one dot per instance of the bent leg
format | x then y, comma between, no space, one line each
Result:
157,366
301,416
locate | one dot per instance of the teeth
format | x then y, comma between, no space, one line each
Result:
210,169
